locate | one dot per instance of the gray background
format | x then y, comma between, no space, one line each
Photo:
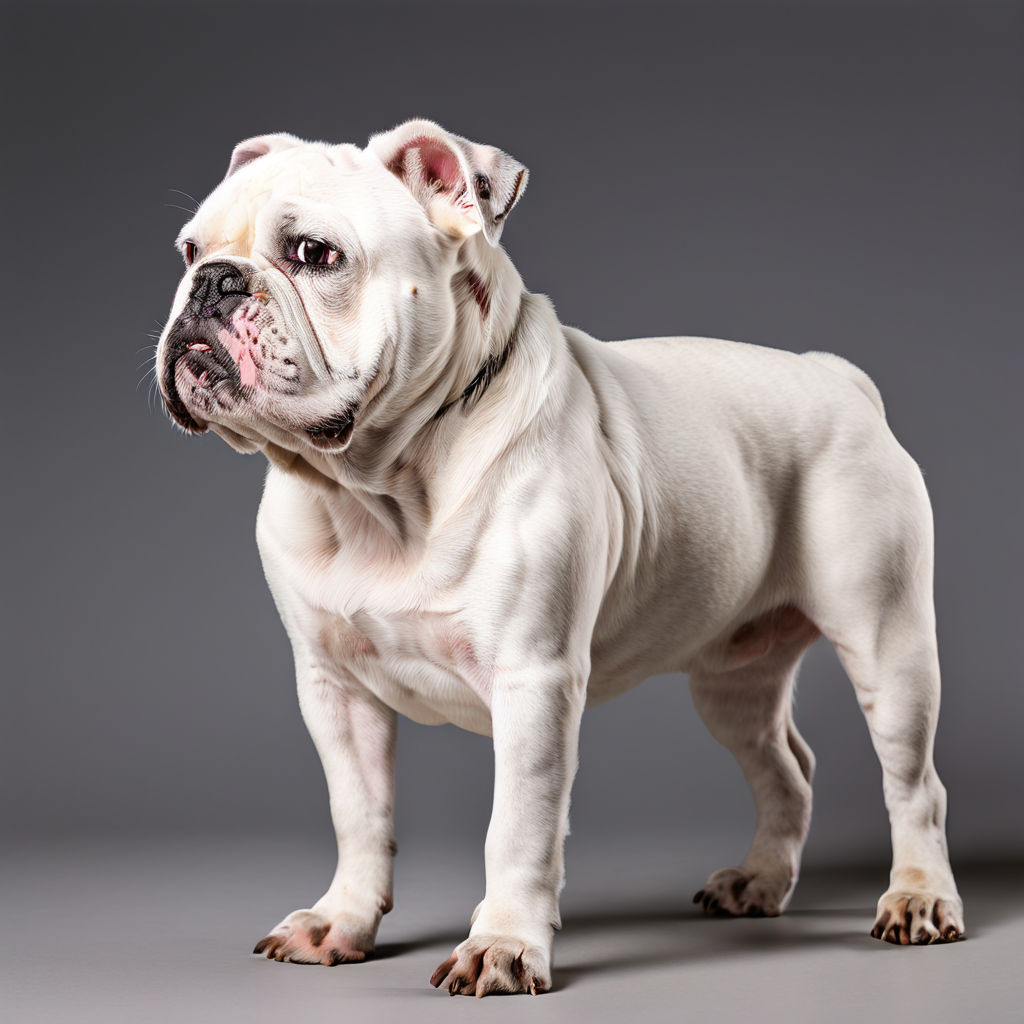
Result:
833,175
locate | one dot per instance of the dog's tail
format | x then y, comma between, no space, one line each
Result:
852,373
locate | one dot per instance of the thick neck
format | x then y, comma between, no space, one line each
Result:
398,472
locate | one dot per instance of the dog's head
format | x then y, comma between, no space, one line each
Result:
329,287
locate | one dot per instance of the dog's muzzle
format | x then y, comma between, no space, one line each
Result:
218,289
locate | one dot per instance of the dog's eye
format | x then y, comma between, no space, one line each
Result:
189,251
315,253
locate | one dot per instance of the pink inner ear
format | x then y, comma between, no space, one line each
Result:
245,155
439,164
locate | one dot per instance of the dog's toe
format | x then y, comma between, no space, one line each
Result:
907,918
307,937
487,964
737,893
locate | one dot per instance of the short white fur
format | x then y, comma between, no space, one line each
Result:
597,514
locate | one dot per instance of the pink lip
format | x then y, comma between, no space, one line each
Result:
240,343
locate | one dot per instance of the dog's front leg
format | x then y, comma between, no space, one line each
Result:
535,721
354,734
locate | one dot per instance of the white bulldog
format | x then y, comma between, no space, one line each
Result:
477,515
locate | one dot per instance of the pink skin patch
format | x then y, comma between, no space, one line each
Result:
754,639
241,342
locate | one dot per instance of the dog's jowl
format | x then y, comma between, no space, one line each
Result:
477,515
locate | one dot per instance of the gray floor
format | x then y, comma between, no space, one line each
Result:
161,932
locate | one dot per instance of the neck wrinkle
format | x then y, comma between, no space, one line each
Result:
388,483
489,303
491,366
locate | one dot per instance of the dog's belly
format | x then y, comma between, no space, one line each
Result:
427,671
626,663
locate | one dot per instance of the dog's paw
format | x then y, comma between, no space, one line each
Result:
493,963
307,937
740,893
918,918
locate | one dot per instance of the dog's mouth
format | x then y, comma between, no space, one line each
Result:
201,360
201,376
197,362
198,368
333,433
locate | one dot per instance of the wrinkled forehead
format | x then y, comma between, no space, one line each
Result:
343,178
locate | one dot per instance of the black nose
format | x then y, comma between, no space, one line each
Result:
217,289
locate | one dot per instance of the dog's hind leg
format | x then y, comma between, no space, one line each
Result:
748,709
874,603
893,664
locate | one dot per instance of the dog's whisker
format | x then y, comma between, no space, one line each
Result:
191,199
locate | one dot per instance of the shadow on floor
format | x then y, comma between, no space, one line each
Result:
833,908
649,935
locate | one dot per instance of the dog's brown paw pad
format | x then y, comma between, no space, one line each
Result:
306,937
737,893
919,919
488,964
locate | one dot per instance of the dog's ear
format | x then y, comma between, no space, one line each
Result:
252,149
464,187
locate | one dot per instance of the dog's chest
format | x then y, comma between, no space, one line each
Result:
424,664
403,630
